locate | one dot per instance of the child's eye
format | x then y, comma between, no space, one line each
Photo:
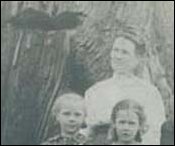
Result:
67,113
78,114
122,122
132,123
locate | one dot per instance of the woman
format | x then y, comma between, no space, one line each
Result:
124,84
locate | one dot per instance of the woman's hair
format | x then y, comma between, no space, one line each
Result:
128,105
134,35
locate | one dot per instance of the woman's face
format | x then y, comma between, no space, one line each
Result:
123,57
127,126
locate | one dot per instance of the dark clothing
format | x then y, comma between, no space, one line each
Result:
99,136
167,133
79,139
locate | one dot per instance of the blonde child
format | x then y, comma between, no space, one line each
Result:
69,111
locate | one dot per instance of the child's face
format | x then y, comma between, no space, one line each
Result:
71,117
127,126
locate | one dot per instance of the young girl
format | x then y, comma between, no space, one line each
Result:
128,123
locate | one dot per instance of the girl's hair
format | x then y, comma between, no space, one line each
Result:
128,105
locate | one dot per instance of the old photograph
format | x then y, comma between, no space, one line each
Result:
87,72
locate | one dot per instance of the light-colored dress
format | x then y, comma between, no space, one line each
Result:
136,143
103,96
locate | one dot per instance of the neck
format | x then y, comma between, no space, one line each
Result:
123,75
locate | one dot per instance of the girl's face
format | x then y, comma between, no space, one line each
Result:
71,117
127,126
123,57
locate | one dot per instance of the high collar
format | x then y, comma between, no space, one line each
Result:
123,76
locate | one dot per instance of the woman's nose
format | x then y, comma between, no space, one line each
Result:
118,56
115,56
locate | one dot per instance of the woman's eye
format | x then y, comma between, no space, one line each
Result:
115,50
124,52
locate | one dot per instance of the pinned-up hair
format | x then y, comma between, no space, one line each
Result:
134,35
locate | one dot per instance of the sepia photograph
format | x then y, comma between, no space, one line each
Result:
87,72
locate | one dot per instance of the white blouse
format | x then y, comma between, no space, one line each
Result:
103,96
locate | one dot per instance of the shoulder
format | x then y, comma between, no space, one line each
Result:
52,141
144,83
100,86
147,86
81,139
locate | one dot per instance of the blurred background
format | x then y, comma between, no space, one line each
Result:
37,65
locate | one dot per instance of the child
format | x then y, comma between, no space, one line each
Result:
167,131
128,123
69,111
